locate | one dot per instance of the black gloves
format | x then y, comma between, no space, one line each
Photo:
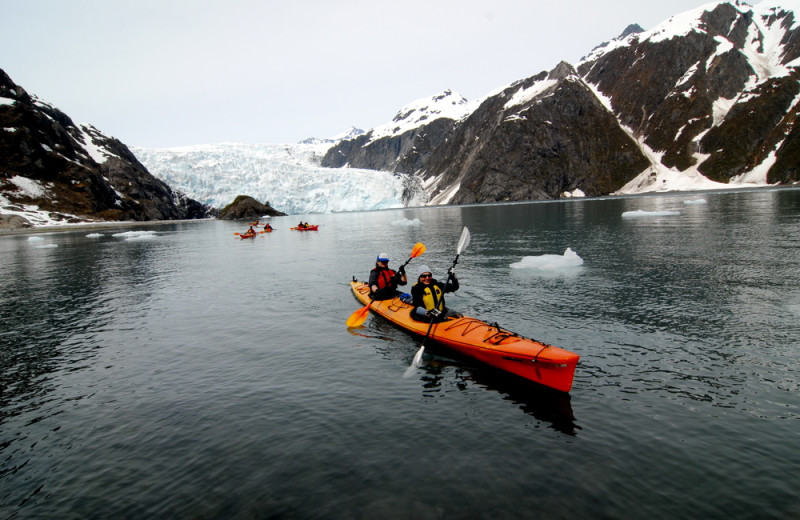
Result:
434,313
402,270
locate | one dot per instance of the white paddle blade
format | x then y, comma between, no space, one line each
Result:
416,363
463,242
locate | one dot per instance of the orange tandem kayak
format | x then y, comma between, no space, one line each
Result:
544,364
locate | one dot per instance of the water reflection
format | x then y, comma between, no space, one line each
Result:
545,404
443,369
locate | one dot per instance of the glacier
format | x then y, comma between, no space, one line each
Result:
286,176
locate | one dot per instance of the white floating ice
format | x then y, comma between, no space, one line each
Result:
569,259
642,213
405,222
128,234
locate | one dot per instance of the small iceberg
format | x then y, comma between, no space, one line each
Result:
148,236
47,246
94,235
694,202
35,239
134,234
642,213
568,260
407,222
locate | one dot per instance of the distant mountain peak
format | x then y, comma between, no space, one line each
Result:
633,28
446,104
350,133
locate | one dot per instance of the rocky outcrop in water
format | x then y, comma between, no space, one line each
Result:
244,207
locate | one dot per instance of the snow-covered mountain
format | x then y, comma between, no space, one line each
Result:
287,176
53,171
350,133
707,99
710,98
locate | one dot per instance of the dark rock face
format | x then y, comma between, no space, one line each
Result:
405,153
13,222
402,151
697,100
539,148
84,174
247,208
666,92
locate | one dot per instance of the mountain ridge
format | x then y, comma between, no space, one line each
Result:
56,171
710,94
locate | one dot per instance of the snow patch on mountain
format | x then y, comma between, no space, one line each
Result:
350,133
447,104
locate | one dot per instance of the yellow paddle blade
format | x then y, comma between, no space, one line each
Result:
418,249
359,317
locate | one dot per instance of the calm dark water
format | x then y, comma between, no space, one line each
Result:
195,375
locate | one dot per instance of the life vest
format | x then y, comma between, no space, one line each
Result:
384,278
432,298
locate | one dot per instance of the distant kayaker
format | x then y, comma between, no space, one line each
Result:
267,227
383,281
428,294
250,231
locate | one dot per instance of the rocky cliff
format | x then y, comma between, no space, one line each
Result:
713,92
245,207
71,173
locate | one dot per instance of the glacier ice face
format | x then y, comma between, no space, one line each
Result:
287,176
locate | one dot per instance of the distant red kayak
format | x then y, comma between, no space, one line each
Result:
247,235
308,228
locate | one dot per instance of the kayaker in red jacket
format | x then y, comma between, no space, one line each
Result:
428,294
383,281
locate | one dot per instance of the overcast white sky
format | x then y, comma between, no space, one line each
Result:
159,73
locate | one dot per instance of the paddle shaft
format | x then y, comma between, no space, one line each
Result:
427,334
418,356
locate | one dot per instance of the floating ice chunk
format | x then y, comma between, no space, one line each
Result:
643,213
128,234
695,201
147,236
407,222
47,246
569,259
94,235
35,239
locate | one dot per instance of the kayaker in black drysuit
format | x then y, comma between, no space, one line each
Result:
428,295
383,281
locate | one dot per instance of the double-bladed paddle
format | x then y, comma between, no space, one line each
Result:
360,316
463,242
